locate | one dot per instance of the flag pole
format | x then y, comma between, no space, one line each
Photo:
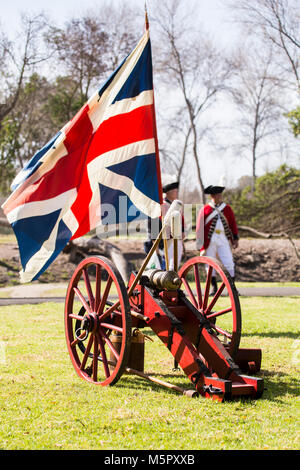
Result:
146,18
155,127
157,159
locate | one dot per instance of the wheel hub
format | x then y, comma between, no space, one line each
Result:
90,322
88,325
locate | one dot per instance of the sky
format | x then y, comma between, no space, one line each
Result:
212,9
213,13
216,19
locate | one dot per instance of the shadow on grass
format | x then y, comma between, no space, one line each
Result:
262,334
140,384
273,334
277,385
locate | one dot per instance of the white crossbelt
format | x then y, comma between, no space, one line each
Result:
215,212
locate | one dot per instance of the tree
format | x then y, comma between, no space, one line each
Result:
26,128
294,121
274,205
8,147
278,22
193,69
18,59
80,47
88,49
63,101
122,38
257,93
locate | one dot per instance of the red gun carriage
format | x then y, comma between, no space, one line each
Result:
202,333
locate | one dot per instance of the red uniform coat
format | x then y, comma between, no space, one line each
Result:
203,229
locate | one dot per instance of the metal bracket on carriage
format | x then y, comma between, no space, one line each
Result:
135,300
211,390
210,387
87,325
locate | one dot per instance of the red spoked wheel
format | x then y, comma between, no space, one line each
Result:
96,306
224,312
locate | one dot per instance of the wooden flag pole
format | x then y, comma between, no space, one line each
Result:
146,18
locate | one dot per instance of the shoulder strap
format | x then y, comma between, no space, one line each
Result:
215,212
225,225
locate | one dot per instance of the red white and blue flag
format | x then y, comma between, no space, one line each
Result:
108,150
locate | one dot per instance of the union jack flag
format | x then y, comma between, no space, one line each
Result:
108,150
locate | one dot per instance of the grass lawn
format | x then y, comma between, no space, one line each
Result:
44,405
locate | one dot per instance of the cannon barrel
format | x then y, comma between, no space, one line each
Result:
162,280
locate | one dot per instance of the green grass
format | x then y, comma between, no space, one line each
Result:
44,405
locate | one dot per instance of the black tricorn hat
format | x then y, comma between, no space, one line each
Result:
214,189
170,186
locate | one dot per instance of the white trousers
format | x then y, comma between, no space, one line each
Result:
171,252
219,247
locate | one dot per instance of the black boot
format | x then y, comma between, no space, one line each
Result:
214,286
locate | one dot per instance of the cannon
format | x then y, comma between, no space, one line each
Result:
104,320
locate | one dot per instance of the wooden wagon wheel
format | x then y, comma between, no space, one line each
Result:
96,306
223,312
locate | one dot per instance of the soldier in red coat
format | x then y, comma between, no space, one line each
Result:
216,231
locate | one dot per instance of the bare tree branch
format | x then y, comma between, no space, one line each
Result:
278,21
19,58
271,235
196,69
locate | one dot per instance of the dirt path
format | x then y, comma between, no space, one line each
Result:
33,290
36,294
